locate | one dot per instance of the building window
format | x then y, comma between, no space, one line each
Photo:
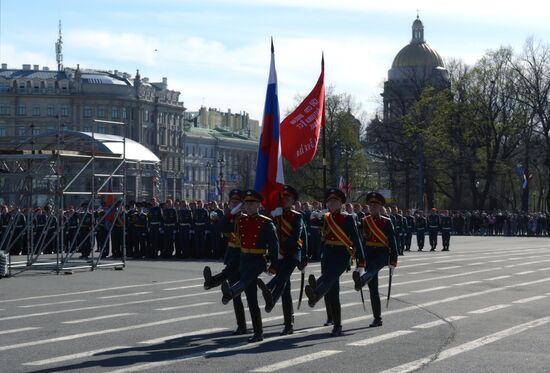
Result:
22,131
87,129
124,113
36,111
101,112
114,112
64,111
4,109
2,131
115,130
87,112
101,129
146,115
36,131
22,110
50,112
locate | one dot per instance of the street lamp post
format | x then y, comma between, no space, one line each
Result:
221,162
208,176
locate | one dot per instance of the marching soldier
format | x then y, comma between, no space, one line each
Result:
433,228
258,238
155,218
183,238
292,251
201,220
409,231
420,224
85,239
170,224
446,228
229,224
341,244
380,250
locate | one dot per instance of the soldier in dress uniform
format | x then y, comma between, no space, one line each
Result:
117,234
141,228
292,252
315,225
398,229
185,224
72,228
433,228
85,239
420,225
132,240
50,245
155,218
201,220
39,224
216,242
258,237
341,244
380,250
102,231
170,225
446,228
410,228
229,224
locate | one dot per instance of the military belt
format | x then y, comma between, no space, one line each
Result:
185,225
232,245
433,226
253,251
155,223
169,225
335,243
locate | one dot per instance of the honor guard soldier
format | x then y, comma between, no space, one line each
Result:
155,218
398,229
420,225
20,245
201,220
183,238
258,238
409,231
341,244
85,239
380,250
102,235
229,225
141,228
170,225
446,228
72,228
433,228
39,224
117,234
292,252
50,245
132,241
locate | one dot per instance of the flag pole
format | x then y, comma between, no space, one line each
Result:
323,126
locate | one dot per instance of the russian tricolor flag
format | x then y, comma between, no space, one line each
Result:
269,169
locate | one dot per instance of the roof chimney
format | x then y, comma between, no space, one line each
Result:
26,66
36,67
45,68
4,66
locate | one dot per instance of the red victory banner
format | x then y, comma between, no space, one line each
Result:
300,130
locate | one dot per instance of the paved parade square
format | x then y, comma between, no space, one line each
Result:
482,307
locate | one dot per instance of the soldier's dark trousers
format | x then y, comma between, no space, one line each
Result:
84,242
433,238
183,241
117,238
446,238
420,239
199,244
103,241
141,243
251,267
168,240
155,241
285,267
315,243
408,239
377,258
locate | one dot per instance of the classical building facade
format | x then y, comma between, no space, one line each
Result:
192,146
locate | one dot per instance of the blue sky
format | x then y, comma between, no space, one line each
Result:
216,53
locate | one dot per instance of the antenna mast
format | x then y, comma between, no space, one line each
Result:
58,50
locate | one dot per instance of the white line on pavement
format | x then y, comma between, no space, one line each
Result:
97,318
380,338
489,309
79,355
430,289
438,322
498,278
182,335
468,346
345,305
530,299
468,283
108,331
296,361
524,273
10,331
124,295
184,306
52,304
185,287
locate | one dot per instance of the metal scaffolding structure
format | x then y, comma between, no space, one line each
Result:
55,169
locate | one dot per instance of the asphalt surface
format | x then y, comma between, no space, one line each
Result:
482,307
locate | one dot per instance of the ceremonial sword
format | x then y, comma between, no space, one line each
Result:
389,287
302,281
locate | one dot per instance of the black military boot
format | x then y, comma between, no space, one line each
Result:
239,314
337,317
268,297
361,281
230,292
329,314
312,281
212,281
376,322
257,325
311,296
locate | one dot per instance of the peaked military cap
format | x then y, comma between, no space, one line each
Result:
287,189
335,193
252,195
236,194
376,197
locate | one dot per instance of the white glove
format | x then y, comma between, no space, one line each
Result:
235,210
277,212
361,270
